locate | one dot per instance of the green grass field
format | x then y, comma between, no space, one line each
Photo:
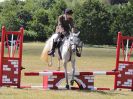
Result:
92,59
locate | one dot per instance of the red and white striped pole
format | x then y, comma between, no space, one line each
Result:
76,74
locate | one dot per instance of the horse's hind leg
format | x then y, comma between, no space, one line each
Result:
58,68
51,61
73,72
66,75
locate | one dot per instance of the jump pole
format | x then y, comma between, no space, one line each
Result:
123,71
52,79
77,73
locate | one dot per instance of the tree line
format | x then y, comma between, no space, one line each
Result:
98,22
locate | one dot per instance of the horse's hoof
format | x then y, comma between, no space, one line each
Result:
72,82
81,87
67,86
50,64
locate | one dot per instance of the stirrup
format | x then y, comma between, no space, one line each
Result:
51,53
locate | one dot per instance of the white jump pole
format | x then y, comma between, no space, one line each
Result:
126,59
70,74
11,53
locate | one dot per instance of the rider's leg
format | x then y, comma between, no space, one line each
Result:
54,44
53,49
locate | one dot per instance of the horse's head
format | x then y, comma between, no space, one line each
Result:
74,40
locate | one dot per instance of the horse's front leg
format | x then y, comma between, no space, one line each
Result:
73,71
58,68
66,75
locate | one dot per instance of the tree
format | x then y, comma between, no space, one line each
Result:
117,1
97,21
93,22
8,14
24,17
122,20
39,24
56,10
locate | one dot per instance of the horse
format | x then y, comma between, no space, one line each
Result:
67,50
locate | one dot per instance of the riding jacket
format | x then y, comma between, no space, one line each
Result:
66,24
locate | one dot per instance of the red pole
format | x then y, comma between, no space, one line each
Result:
129,54
20,54
119,38
2,53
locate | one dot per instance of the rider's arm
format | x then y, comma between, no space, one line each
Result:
72,26
73,30
60,23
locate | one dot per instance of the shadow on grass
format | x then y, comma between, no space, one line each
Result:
8,93
110,93
100,46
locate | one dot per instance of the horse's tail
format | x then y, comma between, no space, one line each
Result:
47,47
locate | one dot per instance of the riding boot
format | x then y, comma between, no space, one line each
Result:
77,53
53,49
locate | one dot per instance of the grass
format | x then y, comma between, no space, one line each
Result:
92,59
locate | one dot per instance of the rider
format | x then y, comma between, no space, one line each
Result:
65,25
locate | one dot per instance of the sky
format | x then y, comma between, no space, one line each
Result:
1,0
